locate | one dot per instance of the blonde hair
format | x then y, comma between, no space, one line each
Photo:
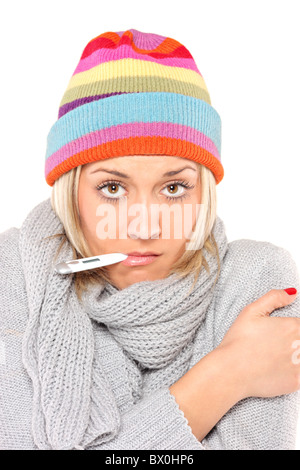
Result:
64,202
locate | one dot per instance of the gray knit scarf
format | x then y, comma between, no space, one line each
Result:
154,322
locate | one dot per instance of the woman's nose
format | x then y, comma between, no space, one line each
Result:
145,224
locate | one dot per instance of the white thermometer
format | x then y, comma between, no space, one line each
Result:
82,264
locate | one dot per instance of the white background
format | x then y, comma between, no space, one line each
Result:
248,54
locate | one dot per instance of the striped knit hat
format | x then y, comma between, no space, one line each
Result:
134,93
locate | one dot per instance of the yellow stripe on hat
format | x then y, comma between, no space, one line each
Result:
135,67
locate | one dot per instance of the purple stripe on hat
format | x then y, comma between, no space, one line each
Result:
124,131
74,104
148,41
126,52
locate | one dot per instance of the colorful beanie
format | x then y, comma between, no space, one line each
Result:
134,93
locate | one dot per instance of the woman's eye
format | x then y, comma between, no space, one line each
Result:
174,189
112,190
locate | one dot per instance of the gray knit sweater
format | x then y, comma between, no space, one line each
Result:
155,422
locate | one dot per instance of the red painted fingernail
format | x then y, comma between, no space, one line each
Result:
291,290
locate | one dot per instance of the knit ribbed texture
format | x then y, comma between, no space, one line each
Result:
149,417
134,93
152,321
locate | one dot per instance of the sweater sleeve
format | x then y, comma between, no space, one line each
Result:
154,423
256,423
15,385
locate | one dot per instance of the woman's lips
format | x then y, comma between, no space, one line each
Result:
139,260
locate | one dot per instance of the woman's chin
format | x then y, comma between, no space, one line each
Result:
134,275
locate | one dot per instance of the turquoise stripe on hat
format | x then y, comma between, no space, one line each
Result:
135,107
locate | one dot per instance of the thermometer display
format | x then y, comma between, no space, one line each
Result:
74,266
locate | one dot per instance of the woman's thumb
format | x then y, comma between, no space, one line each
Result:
273,299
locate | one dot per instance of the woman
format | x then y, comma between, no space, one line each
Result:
177,350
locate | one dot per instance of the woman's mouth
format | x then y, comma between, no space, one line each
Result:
140,259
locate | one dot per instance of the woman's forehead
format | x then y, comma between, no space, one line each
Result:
152,161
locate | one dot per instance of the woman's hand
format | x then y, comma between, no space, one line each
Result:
261,348
255,358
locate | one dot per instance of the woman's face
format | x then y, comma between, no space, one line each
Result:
128,190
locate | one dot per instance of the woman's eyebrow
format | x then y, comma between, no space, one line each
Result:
122,175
